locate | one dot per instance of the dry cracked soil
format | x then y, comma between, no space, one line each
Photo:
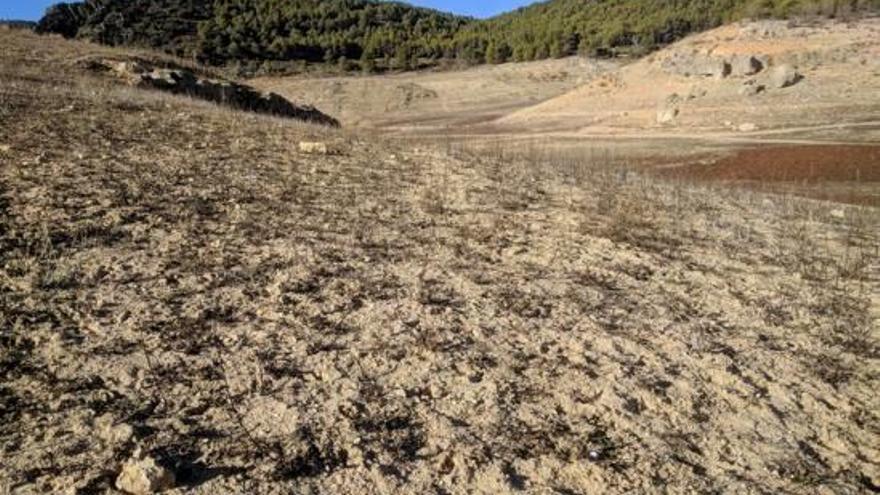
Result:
180,280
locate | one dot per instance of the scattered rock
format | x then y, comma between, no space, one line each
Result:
673,99
784,76
696,92
747,127
751,88
764,29
144,477
185,82
5,148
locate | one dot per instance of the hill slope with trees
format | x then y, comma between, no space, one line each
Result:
372,34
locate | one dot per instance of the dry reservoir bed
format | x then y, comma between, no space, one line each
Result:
181,281
843,173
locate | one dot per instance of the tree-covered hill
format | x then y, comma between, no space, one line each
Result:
606,27
371,34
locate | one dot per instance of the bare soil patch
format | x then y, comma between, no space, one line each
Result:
848,174
792,164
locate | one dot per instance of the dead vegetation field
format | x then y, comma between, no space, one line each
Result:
181,281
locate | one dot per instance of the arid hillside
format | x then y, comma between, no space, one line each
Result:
725,84
771,79
775,90
201,300
439,101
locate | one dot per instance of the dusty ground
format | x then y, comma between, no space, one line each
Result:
179,279
434,101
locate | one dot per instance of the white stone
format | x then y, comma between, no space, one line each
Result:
144,477
314,148
666,115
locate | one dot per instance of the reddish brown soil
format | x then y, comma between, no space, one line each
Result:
811,164
840,173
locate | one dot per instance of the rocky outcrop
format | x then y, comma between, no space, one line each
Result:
231,94
706,65
747,65
784,76
688,65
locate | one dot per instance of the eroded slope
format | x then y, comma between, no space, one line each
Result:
681,91
182,280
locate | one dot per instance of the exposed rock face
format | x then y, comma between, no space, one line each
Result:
696,65
784,76
690,65
185,82
144,477
766,29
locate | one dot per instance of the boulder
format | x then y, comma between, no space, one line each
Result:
711,66
784,76
748,127
745,65
667,114
144,477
